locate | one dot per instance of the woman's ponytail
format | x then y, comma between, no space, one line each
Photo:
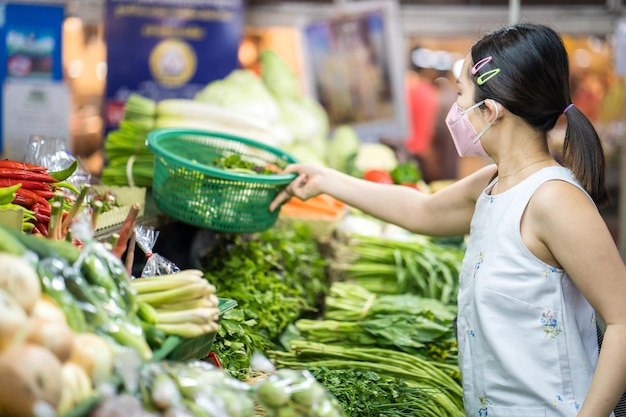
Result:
583,154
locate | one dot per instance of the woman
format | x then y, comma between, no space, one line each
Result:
540,262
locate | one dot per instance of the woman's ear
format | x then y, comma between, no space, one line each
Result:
496,109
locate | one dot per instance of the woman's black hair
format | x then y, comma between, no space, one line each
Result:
533,83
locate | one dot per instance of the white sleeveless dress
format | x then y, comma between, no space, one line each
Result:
527,337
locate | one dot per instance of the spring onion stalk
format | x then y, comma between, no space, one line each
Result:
203,302
174,295
95,214
416,371
56,218
80,199
196,316
138,107
187,330
159,283
384,265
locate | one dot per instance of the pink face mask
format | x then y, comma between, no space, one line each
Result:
464,136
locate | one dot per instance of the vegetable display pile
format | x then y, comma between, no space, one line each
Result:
90,285
383,265
71,342
369,394
445,398
416,325
31,188
276,277
128,160
182,304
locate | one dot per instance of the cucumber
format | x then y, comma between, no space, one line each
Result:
44,248
9,243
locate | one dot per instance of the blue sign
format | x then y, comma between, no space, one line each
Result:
30,45
168,48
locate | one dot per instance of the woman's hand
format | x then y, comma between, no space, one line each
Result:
306,185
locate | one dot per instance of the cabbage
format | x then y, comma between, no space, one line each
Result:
301,115
243,91
305,153
302,119
375,156
343,146
278,76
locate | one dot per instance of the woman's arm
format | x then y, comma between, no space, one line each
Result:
577,237
445,213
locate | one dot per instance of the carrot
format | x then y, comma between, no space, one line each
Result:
323,203
322,206
126,230
305,214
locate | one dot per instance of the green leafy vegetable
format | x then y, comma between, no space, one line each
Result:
276,277
235,162
406,172
368,394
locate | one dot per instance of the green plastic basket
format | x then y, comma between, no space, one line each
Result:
189,187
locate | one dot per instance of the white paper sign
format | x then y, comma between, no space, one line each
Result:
33,109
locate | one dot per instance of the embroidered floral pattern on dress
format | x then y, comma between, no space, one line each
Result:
558,400
481,258
550,270
483,410
551,328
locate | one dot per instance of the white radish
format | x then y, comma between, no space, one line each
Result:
54,335
19,278
47,308
13,321
30,376
94,354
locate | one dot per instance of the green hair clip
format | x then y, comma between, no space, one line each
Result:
483,78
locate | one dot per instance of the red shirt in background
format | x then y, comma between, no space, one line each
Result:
422,103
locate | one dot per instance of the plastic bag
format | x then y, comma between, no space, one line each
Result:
145,238
290,392
198,388
51,152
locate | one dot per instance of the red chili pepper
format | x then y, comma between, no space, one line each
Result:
42,218
41,228
29,185
35,198
47,194
7,163
23,201
20,174
41,209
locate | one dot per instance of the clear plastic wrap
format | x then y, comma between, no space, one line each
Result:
145,238
292,393
51,152
198,388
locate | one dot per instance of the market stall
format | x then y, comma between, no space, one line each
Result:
284,319
283,311
165,286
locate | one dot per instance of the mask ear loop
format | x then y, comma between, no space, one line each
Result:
482,132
